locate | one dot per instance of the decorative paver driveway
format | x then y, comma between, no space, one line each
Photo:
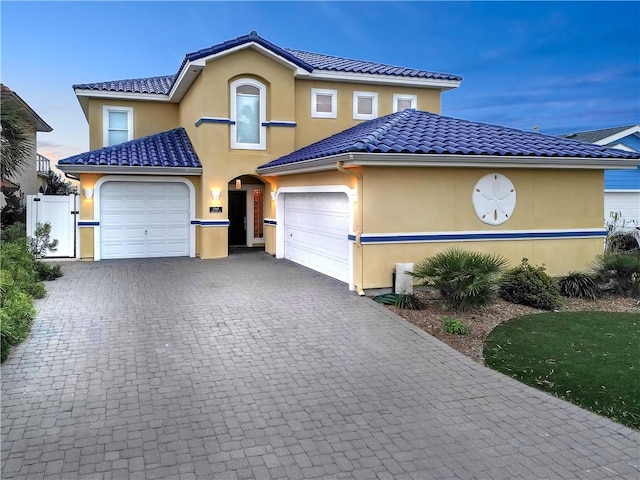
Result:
249,367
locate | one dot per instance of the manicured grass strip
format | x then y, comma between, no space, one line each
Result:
591,359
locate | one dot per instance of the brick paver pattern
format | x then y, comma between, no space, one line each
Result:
254,368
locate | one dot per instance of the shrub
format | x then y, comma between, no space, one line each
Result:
407,301
18,283
17,231
618,272
455,327
529,285
16,260
16,315
386,298
579,285
44,271
13,212
464,279
41,243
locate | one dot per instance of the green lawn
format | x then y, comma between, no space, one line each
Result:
591,359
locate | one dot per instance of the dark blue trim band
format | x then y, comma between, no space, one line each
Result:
479,236
211,223
352,238
279,124
225,121
270,222
88,224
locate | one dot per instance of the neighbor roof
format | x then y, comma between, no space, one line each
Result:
307,61
166,150
425,133
592,136
32,116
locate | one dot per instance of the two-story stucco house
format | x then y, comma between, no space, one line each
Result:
344,166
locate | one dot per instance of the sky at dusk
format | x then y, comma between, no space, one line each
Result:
564,66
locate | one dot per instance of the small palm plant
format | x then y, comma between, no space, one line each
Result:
618,272
464,279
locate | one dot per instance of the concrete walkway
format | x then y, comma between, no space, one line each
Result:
249,367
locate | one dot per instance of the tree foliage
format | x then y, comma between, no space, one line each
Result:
16,141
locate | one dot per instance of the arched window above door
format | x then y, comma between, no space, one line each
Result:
248,114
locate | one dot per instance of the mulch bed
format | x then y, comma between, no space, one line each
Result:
482,321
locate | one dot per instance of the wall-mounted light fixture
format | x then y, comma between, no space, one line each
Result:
273,195
238,184
215,194
88,193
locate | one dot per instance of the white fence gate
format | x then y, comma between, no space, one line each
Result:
61,212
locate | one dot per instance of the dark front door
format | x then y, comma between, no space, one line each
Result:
238,218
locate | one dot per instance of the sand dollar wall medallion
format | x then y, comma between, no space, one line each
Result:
494,199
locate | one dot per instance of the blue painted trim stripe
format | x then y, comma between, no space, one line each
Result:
211,223
418,238
225,121
270,222
88,224
352,238
279,124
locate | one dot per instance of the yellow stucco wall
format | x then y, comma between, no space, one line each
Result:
439,199
405,200
558,256
148,118
311,130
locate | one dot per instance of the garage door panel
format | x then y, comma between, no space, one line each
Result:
316,228
144,219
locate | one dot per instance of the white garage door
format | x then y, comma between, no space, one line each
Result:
144,219
316,229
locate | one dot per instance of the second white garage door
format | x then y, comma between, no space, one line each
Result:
316,229
144,219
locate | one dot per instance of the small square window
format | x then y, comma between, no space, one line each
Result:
365,105
402,102
324,103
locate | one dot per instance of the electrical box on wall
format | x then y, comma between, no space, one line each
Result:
215,209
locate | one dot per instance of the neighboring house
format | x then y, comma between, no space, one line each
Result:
31,177
621,187
341,165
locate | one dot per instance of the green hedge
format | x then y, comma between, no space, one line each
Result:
19,284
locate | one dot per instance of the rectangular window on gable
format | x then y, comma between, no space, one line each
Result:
324,103
117,125
365,105
402,102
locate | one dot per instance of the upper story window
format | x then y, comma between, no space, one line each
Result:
324,103
365,105
248,114
117,123
402,102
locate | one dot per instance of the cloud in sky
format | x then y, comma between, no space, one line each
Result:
563,65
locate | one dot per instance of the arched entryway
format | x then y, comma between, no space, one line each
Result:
246,211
